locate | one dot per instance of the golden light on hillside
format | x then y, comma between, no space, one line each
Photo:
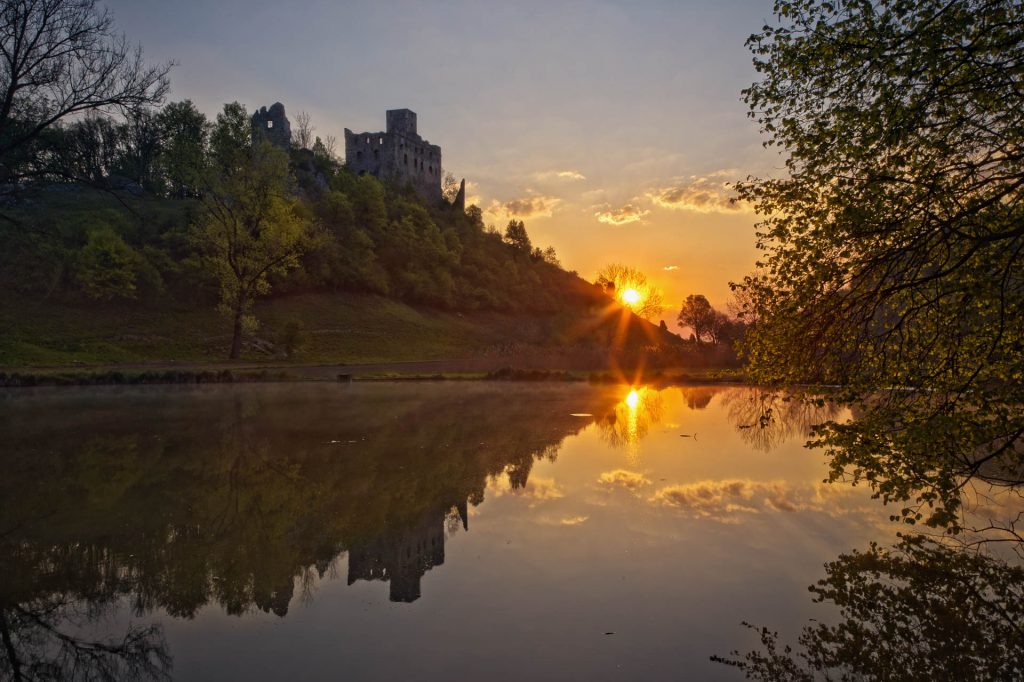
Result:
631,297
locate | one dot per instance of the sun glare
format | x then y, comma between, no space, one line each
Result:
633,399
631,296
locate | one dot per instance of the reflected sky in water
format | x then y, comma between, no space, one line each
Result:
414,531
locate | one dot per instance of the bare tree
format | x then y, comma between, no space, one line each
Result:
304,130
59,58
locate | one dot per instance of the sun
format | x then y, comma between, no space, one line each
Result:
631,296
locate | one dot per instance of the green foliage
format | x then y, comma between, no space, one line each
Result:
186,132
106,267
169,176
893,248
250,230
516,237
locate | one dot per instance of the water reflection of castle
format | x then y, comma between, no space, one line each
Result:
403,556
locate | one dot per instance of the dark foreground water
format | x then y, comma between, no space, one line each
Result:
408,531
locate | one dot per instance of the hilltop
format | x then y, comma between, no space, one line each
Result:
168,238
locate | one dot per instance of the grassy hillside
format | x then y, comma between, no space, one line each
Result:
336,328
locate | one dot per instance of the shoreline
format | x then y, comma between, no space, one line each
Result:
482,369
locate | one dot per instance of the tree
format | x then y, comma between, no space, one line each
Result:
59,58
186,133
250,229
107,267
516,236
894,245
618,279
303,131
231,139
449,187
697,314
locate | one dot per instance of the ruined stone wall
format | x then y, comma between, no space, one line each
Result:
273,125
398,154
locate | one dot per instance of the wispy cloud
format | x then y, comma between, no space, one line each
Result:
571,175
532,206
670,268
704,194
622,215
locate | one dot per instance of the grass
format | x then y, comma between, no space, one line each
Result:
336,329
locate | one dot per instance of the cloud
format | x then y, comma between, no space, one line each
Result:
572,175
623,215
534,206
573,520
630,480
670,268
707,194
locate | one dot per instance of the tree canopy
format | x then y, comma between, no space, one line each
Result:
59,58
893,244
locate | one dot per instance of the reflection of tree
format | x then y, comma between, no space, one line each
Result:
233,495
35,647
698,397
632,418
765,419
919,611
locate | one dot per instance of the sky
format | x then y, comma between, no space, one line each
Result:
610,128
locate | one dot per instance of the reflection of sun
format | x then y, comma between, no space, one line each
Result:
628,424
631,296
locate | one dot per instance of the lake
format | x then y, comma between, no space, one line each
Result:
450,530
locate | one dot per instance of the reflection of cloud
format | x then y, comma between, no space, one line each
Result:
536,489
537,206
726,500
623,215
702,194
670,268
573,520
572,175
630,480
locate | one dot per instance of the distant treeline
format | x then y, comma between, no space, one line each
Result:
107,208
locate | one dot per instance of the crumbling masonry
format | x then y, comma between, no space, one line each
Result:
273,125
399,154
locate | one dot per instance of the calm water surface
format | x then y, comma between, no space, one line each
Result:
409,531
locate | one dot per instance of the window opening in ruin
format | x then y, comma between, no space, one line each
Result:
359,155
270,124
406,160
367,139
376,153
380,141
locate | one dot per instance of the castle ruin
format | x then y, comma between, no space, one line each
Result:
272,125
398,153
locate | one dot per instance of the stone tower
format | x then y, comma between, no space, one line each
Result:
273,125
399,154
